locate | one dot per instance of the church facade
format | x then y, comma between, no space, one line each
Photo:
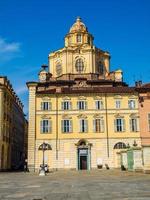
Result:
82,110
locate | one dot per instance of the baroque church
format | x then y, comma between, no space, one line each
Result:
81,110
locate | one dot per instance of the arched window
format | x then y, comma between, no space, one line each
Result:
89,40
120,145
79,65
79,38
58,68
101,68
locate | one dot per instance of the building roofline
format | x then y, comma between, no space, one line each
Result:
109,90
9,86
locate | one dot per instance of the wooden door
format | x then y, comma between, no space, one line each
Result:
83,162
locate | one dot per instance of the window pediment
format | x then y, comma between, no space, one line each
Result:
98,98
46,98
82,98
82,116
118,116
134,115
45,117
66,116
98,116
133,97
66,98
117,96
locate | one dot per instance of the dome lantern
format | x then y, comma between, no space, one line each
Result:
78,34
78,26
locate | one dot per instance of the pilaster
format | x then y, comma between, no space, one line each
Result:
32,126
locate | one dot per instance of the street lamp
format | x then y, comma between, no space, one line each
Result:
134,143
44,146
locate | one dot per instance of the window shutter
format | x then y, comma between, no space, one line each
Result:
62,126
49,106
50,126
129,104
70,128
41,105
94,126
130,121
133,104
62,105
123,124
115,125
86,126
137,124
70,105
80,125
78,105
102,105
96,105
41,126
102,125
85,103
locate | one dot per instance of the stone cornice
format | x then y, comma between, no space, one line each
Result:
32,84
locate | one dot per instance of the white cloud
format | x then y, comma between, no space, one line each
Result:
8,50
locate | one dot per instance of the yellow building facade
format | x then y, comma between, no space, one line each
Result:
86,113
12,127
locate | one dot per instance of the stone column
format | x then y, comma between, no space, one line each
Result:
32,126
146,159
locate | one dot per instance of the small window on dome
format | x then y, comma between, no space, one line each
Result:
58,68
79,38
79,65
100,68
89,40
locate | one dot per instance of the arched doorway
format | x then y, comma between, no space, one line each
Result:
83,155
117,157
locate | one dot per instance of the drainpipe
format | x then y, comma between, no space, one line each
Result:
107,125
56,126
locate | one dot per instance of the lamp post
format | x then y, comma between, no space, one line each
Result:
44,146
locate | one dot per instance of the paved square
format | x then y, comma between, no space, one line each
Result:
71,185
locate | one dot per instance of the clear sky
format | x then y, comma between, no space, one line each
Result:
31,29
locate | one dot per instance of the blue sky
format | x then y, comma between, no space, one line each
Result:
30,30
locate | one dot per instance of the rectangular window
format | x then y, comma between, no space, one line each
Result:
131,104
83,125
117,104
119,125
46,126
98,125
82,105
134,125
66,105
149,121
99,105
66,126
45,105
79,38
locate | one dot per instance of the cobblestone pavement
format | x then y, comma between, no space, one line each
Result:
75,185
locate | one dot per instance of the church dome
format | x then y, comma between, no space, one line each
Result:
78,26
